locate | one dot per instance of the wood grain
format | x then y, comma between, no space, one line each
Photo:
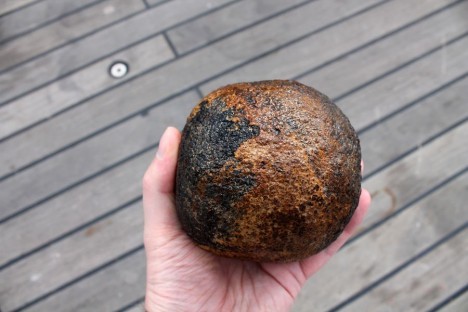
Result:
72,257
76,54
37,15
10,5
98,292
63,31
324,46
425,282
122,141
213,26
457,305
74,88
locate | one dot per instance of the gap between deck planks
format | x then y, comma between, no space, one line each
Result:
429,279
63,31
39,15
19,202
457,304
10,6
426,212
97,197
44,69
447,122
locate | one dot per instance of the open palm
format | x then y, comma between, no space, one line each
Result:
183,277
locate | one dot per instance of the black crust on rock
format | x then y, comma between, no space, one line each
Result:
207,145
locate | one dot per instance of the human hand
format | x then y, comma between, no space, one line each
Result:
183,277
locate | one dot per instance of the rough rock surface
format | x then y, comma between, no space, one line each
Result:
267,171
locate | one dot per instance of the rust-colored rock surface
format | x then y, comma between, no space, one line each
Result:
267,171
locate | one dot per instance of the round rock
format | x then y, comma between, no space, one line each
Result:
267,171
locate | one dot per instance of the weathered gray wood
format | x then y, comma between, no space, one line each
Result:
437,215
76,54
19,151
98,292
201,31
10,5
136,94
65,30
153,2
415,125
398,240
140,307
72,257
392,51
425,282
426,170
212,60
37,15
108,190
387,94
333,80
295,59
459,304
72,89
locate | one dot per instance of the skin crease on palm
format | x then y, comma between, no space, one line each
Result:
183,277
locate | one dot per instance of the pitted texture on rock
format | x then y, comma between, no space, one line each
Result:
267,171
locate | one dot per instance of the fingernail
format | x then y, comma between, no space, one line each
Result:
162,146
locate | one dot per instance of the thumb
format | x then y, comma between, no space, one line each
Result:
158,186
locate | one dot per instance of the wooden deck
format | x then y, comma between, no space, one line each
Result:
74,142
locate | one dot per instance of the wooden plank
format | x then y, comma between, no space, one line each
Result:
422,284
390,52
153,2
458,304
10,5
212,60
415,125
437,215
204,30
415,179
98,292
430,75
37,15
296,58
381,57
65,30
72,257
139,307
72,89
122,141
70,57
135,95
380,251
